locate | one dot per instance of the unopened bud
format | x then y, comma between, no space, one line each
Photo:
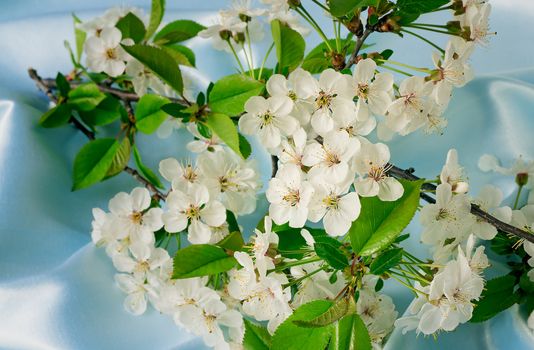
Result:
454,26
293,3
244,18
390,25
458,7
521,179
355,26
225,34
338,61
239,38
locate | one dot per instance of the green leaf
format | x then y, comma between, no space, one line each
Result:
332,255
289,336
289,45
62,84
79,36
350,333
131,27
174,110
256,337
234,241
290,239
85,97
497,296
156,15
334,313
55,117
244,146
178,31
229,94
420,6
381,222
148,114
160,63
223,126
121,158
178,56
106,112
386,261
93,162
184,50
146,171
201,260
317,60
340,8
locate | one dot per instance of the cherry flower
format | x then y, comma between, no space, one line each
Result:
133,216
180,175
289,195
291,150
477,18
138,290
105,54
522,169
231,179
331,97
143,78
278,85
222,32
489,199
337,207
449,217
374,96
201,143
144,259
410,105
104,231
192,208
269,119
330,160
453,174
371,163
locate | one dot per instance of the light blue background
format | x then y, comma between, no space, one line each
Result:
57,290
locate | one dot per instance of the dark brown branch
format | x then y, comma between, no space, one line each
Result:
46,86
407,174
357,47
274,165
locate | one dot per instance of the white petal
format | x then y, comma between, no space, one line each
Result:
140,199
390,189
214,214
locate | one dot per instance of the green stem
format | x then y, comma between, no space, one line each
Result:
429,25
338,42
430,29
265,60
409,274
321,5
424,39
302,11
448,7
298,280
250,52
400,64
396,70
250,70
178,241
296,263
407,285
516,202
235,56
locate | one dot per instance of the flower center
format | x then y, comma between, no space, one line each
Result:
331,201
292,95
331,158
193,212
292,197
362,90
190,174
323,100
111,54
266,118
443,214
136,217
378,173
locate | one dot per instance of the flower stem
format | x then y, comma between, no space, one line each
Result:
396,70
296,263
298,280
265,60
302,11
424,39
321,5
400,64
516,202
235,56
249,44
407,285
430,29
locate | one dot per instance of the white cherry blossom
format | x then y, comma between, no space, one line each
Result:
105,54
453,174
144,259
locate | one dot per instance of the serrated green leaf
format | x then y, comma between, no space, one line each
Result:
148,114
146,171
56,116
131,27
386,261
178,31
223,126
201,260
289,336
62,84
121,158
290,45
184,50
85,97
332,255
381,222
93,162
156,15
106,112
334,313
498,295
229,94
340,8
350,333
160,63
79,36
256,337
178,56
233,242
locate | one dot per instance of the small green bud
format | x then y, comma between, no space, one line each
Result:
521,179
225,34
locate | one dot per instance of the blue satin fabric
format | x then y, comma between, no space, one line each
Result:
57,290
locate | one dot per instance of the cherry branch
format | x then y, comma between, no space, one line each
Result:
407,174
46,86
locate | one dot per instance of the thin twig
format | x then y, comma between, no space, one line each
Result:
358,46
274,164
44,86
407,174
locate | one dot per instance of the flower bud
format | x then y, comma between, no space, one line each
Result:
390,25
338,61
293,3
225,34
355,26
239,38
244,18
521,179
